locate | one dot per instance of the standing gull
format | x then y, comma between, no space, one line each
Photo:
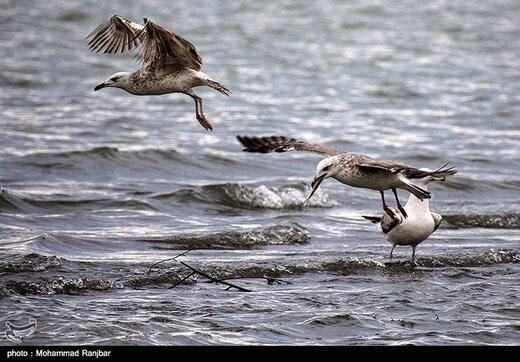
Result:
170,63
349,168
420,224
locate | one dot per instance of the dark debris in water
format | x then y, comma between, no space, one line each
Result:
220,275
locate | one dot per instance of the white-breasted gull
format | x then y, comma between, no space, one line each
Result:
420,223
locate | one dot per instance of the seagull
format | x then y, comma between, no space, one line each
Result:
420,224
348,168
170,63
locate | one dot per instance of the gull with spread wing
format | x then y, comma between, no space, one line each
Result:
170,63
349,168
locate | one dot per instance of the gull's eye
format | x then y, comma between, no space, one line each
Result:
114,79
326,168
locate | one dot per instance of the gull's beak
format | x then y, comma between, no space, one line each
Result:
100,86
316,181
438,178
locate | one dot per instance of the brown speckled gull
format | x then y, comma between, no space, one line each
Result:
170,63
349,168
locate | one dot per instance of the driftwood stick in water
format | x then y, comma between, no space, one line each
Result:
162,261
229,285
223,281
270,280
182,280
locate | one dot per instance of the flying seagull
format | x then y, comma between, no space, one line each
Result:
349,168
420,224
170,63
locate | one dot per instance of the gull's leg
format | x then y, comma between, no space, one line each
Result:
198,111
413,253
385,206
399,204
392,251
200,115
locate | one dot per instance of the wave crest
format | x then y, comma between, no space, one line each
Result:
61,285
494,221
29,263
271,235
276,197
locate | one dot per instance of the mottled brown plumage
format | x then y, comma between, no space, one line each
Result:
284,144
170,63
349,168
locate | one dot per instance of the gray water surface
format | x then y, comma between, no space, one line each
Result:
97,187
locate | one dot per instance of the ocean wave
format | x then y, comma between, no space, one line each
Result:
276,197
271,235
66,245
229,195
13,201
482,259
44,274
176,272
251,196
102,157
341,319
60,244
60,285
360,266
173,273
64,276
495,221
161,278
29,263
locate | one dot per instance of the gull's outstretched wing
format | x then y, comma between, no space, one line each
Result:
160,47
169,50
284,144
116,35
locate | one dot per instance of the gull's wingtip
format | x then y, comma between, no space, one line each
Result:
444,171
241,141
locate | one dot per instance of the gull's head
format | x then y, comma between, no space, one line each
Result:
328,167
117,80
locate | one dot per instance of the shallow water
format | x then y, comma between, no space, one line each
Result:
97,187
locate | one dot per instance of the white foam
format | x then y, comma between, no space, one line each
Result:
271,197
